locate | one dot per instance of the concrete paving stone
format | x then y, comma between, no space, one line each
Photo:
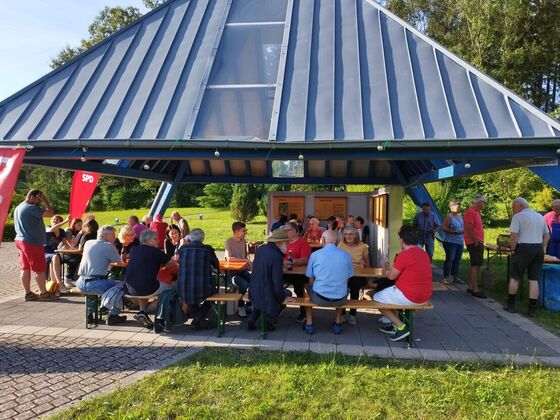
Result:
28,330
322,348
378,351
350,349
96,333
295,346
4,329
271,345
8,413
50,331
550,361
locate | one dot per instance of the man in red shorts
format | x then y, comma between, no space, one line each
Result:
30,241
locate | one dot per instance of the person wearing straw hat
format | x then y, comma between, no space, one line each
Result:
267,292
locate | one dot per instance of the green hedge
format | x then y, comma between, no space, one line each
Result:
9,233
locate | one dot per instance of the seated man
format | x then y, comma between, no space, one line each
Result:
236,250
300,251
94,271
267,284
328,270
144,262
194,282
413,274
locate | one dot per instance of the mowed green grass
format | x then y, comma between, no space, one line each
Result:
228,384
216,223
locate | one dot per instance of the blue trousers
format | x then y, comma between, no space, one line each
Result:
453,255
97,286
428,244
242,280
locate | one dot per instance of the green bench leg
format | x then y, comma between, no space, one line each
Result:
96,313
221,317
407,316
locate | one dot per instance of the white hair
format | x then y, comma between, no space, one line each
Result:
197,235
330,236
556,202
147,235
520,201
104,231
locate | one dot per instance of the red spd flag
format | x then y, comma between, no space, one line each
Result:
10,163
83,185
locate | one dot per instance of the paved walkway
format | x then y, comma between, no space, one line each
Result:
46,343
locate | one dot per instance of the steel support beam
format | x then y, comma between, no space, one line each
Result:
458,170
549,174
166,192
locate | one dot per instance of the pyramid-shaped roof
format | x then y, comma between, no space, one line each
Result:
255,73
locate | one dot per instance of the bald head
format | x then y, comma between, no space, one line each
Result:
330,236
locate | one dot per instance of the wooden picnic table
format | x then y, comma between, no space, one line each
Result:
73,251
233,265
370,272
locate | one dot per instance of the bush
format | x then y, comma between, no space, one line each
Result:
9,233
216,196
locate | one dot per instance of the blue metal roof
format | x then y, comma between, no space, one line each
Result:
277,77
278,70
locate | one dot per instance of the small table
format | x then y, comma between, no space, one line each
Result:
230,267
369,272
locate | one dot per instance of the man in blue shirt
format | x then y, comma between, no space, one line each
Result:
328,270
427,224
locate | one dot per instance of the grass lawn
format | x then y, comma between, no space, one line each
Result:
546,319
227,384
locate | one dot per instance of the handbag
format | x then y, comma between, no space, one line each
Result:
51,286
504,240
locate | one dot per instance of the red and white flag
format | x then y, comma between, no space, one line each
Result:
10,163
83,186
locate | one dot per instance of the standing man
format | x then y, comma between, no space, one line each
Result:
328,270
529,236
552,219
427,224
474,240
267,291
177,219
236,251
30,241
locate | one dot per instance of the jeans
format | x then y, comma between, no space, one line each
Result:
427,243
97,286
242,280
453,255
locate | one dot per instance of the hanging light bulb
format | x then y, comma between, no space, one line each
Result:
300,156
467,165
217,153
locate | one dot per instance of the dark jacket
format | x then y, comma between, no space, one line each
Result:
194,281
267,284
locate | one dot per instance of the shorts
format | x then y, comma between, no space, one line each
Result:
527,257
393,296
31,257
476,254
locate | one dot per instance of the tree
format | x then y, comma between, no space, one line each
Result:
216,195
244,202
516,42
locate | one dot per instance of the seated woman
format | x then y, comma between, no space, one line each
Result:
360,259
73,234
144,262
171,249
314,233
94,270
55,237
127,240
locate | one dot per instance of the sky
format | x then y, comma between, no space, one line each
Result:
34,31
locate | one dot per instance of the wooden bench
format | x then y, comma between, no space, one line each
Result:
406,312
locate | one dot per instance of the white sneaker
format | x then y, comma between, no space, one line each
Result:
351,319
241,312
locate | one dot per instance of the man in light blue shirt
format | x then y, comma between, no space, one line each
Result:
328,270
